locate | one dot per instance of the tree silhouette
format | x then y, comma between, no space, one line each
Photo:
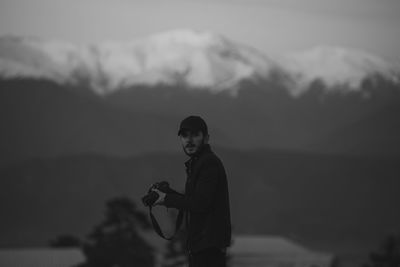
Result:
388,255
116,241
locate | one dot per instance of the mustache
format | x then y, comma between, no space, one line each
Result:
190,145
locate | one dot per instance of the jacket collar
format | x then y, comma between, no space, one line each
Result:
204,149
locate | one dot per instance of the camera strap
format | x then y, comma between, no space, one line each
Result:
157,227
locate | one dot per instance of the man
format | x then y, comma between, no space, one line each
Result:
206,198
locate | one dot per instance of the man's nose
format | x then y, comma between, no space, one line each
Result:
189,138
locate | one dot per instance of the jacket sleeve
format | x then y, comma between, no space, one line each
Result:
204,192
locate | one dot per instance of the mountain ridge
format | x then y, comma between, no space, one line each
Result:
197,60
42,118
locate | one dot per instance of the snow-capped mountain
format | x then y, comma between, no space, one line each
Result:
124,99
197,60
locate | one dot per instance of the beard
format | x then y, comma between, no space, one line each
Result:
192,149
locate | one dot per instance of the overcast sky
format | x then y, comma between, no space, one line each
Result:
272,26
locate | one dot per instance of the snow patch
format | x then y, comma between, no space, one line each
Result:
198,60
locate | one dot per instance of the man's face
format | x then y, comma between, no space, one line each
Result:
193,141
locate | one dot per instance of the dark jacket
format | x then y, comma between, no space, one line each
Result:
206,202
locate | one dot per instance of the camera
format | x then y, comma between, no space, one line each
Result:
152,196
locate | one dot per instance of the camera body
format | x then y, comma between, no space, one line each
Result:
152,196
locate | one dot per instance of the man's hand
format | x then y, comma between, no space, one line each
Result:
161,197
